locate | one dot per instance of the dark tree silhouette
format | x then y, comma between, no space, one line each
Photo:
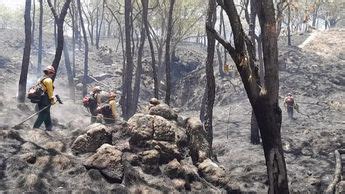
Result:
210,80
128,71
40,39
145,4
86,45
59,19
264,97
167,52
26,54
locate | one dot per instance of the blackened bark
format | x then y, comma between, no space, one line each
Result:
210,80
270,122
167,53
33,23
254,128
26,54
263,98
69,71
40,39
289,25
220,62
153,59
86,45
136,90
128,73
59,23
98,35
74,30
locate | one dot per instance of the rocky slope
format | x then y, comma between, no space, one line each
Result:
34,159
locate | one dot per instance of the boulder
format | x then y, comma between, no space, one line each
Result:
167,151
107,159
213,173
163,130
163,110
96,136
141,127
198,144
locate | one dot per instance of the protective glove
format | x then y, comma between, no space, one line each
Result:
53,101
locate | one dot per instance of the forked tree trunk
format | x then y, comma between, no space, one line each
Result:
26,54
59,19
264,98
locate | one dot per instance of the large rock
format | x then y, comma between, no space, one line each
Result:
167,151
96,136
163,130
108,161
198,144
141,127
163,110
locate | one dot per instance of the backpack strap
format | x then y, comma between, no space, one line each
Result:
41,82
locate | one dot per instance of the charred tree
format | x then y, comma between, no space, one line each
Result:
167,53
254,128
263,97
128,71
40,40
210,80
145,4
59,19
26,54
69,71
99,27
33,22
86,53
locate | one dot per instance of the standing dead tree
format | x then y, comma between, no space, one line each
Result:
264,97
26,54
59,19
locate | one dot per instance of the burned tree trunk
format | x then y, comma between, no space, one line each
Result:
26,54
136,90
128,71
59,19
40,39
210,80
263,98
33,22
69,71
145,4
86,45
167,53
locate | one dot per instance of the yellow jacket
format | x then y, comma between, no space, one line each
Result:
112,104
48,87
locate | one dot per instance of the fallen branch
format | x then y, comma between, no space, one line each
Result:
337,173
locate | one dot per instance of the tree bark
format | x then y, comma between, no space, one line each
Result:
263,98
26,54
136,91
254,128
220,62
210,80
86,53
100,26
128,73
289,25
145,4
69,71
167,53
33,23
60,37
40,40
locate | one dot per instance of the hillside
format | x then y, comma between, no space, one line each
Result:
314,72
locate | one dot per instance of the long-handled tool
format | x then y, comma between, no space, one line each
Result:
58,99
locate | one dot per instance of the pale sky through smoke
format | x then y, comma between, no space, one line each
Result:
13,4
